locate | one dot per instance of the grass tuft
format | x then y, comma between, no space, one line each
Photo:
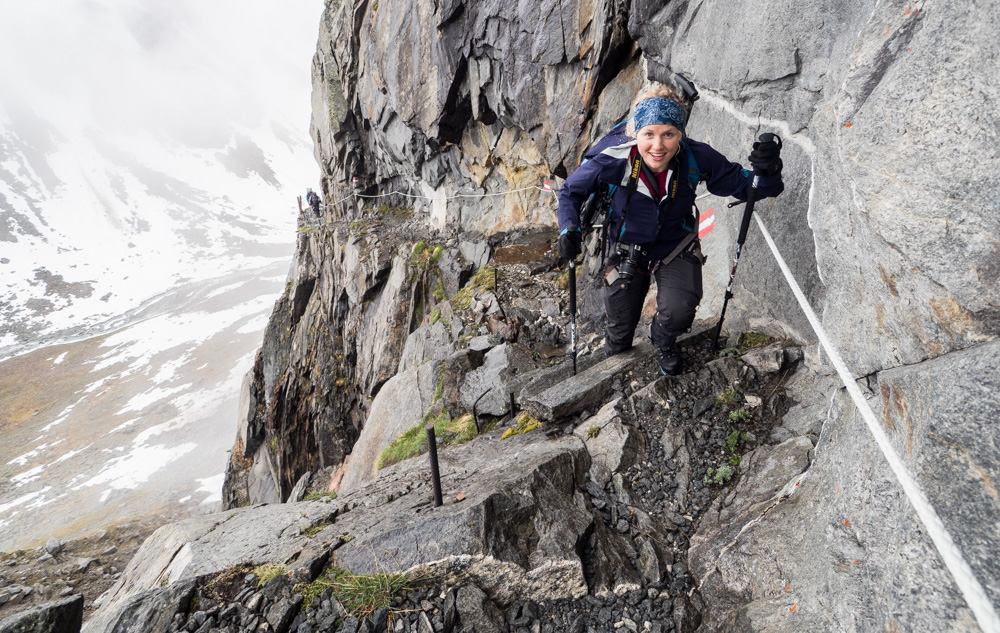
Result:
313,530
481,282
414,441
733,440
361,595
718,476
268,572
320,496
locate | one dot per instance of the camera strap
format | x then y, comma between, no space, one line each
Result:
637,167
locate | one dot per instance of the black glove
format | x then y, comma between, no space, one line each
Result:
765,157
569,243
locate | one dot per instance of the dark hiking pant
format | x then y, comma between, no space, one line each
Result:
678,292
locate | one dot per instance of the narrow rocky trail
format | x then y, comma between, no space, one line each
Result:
657,445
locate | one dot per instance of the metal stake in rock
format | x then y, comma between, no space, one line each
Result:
432,451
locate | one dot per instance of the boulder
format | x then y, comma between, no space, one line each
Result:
61,616
263,481
460,363
300,488
150,611
765,360
477,611
431,342
455,271
475,252
54,546
613,445
488,388
517,531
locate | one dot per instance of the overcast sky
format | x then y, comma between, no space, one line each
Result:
185,67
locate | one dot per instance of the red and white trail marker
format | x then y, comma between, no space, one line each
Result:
354,181
547,186
707,223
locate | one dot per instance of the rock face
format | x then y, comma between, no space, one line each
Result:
834,525
356,292
888,222
397,408
61,616
466,97
491,96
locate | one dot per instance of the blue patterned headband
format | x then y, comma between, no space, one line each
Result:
659,111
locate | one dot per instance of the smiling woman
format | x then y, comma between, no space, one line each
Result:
652,170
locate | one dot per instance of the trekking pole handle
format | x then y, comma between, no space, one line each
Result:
748,211
767,137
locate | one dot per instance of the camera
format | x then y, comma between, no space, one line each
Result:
630,262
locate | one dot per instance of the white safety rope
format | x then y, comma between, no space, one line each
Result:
453,197
966,580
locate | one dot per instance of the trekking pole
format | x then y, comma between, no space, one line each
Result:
572,311
744,227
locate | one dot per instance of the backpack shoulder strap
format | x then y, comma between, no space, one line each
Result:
694,173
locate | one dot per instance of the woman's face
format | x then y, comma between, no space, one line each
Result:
657,145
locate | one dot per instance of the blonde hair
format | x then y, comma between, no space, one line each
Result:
655,90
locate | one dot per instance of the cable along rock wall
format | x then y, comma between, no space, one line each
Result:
888,221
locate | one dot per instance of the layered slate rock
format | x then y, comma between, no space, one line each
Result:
589,388
613,445
513,523
60,616
488,388
517,530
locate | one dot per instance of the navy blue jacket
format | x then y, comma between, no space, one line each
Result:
607,164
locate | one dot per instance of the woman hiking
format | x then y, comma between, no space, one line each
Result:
653,169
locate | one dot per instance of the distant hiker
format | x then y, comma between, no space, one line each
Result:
646,161
313,199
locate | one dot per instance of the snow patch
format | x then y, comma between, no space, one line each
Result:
37,496
27,476
145,399
137,467
213,486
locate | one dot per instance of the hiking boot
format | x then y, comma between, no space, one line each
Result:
670,361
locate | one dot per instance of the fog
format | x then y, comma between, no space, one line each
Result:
185,69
